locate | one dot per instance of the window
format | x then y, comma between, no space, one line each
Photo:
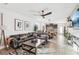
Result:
75,19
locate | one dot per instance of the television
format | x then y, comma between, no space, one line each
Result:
75,19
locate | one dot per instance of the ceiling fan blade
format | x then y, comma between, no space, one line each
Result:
47,14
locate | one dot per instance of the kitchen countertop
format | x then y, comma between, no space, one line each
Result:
74,32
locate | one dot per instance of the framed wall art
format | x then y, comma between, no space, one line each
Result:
18,24
26,25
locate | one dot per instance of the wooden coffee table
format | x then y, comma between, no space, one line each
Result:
32,47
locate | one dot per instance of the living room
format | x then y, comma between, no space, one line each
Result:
33,28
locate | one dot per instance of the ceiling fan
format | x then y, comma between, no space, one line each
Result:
43,13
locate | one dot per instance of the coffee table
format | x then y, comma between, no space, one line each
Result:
32,47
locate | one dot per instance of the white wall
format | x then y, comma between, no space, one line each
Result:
8,21
60,11
41,22
0,25
9,16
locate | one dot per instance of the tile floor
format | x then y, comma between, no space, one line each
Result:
53,48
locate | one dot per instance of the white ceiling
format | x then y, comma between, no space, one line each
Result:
59,10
